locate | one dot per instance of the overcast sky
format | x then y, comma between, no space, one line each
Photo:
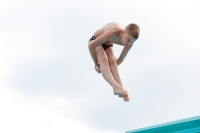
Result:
47,77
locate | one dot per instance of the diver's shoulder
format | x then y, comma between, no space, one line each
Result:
113,25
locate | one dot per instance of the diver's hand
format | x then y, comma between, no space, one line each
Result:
97,68
118,61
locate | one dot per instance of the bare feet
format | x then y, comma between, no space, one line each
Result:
118,90
125,96
126,99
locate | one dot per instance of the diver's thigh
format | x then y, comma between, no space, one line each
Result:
100,54
110,55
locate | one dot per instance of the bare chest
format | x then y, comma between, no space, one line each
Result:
114,40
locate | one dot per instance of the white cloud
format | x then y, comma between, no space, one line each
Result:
43,41
20,113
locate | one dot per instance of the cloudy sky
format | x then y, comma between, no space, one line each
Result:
47,77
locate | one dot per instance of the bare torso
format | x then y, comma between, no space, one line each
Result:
115,38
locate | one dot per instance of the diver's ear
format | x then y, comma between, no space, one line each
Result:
122,32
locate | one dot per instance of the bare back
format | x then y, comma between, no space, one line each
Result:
115,38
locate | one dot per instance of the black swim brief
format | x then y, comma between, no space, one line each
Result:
105,46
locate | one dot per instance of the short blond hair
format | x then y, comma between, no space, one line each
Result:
133,30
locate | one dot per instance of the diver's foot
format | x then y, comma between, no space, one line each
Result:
117,90
126,99
121,92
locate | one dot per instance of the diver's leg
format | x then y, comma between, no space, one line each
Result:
105,70
114,68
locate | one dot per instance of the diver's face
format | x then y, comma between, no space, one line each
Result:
127,39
